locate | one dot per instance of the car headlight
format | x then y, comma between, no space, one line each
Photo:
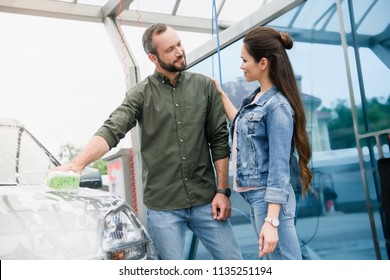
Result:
123,236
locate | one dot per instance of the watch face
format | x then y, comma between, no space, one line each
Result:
274,222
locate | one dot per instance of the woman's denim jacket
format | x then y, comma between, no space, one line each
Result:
264,139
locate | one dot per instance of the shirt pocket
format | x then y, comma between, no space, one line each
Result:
196,111
252,122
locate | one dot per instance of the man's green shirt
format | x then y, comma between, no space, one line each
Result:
183,129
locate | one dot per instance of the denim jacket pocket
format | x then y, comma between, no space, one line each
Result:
252,121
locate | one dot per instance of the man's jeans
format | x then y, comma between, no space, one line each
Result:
288,245
168,230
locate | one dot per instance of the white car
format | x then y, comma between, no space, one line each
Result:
37,222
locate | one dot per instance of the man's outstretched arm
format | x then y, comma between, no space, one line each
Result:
94,150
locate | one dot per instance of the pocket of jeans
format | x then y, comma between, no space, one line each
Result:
288,209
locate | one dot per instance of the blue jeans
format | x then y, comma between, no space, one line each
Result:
288,246
168,229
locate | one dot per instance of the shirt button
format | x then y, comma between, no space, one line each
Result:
177,105
184,158
185,179
174,88
179,122
181,140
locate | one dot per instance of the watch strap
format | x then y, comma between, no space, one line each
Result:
225,191
273,221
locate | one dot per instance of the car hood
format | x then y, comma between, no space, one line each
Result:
39,223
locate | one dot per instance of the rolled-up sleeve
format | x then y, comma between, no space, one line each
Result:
280,131
122,119
217,131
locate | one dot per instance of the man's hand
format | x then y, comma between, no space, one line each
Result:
221,209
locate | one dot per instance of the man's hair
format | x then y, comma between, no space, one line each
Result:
154,29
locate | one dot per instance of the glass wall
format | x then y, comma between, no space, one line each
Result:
346,93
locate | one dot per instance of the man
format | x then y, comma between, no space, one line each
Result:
183,129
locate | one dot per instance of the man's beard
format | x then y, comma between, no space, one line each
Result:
171,67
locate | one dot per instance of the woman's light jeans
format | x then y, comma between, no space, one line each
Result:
288,247
168,230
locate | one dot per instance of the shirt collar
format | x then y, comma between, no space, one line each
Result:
162,79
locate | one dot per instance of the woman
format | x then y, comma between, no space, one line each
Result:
269,125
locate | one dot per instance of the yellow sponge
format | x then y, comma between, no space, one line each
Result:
60,180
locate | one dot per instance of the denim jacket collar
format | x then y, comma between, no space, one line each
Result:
249,98
263,99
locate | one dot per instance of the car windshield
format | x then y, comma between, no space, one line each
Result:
23,160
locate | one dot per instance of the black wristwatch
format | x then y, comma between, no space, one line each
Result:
225,191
